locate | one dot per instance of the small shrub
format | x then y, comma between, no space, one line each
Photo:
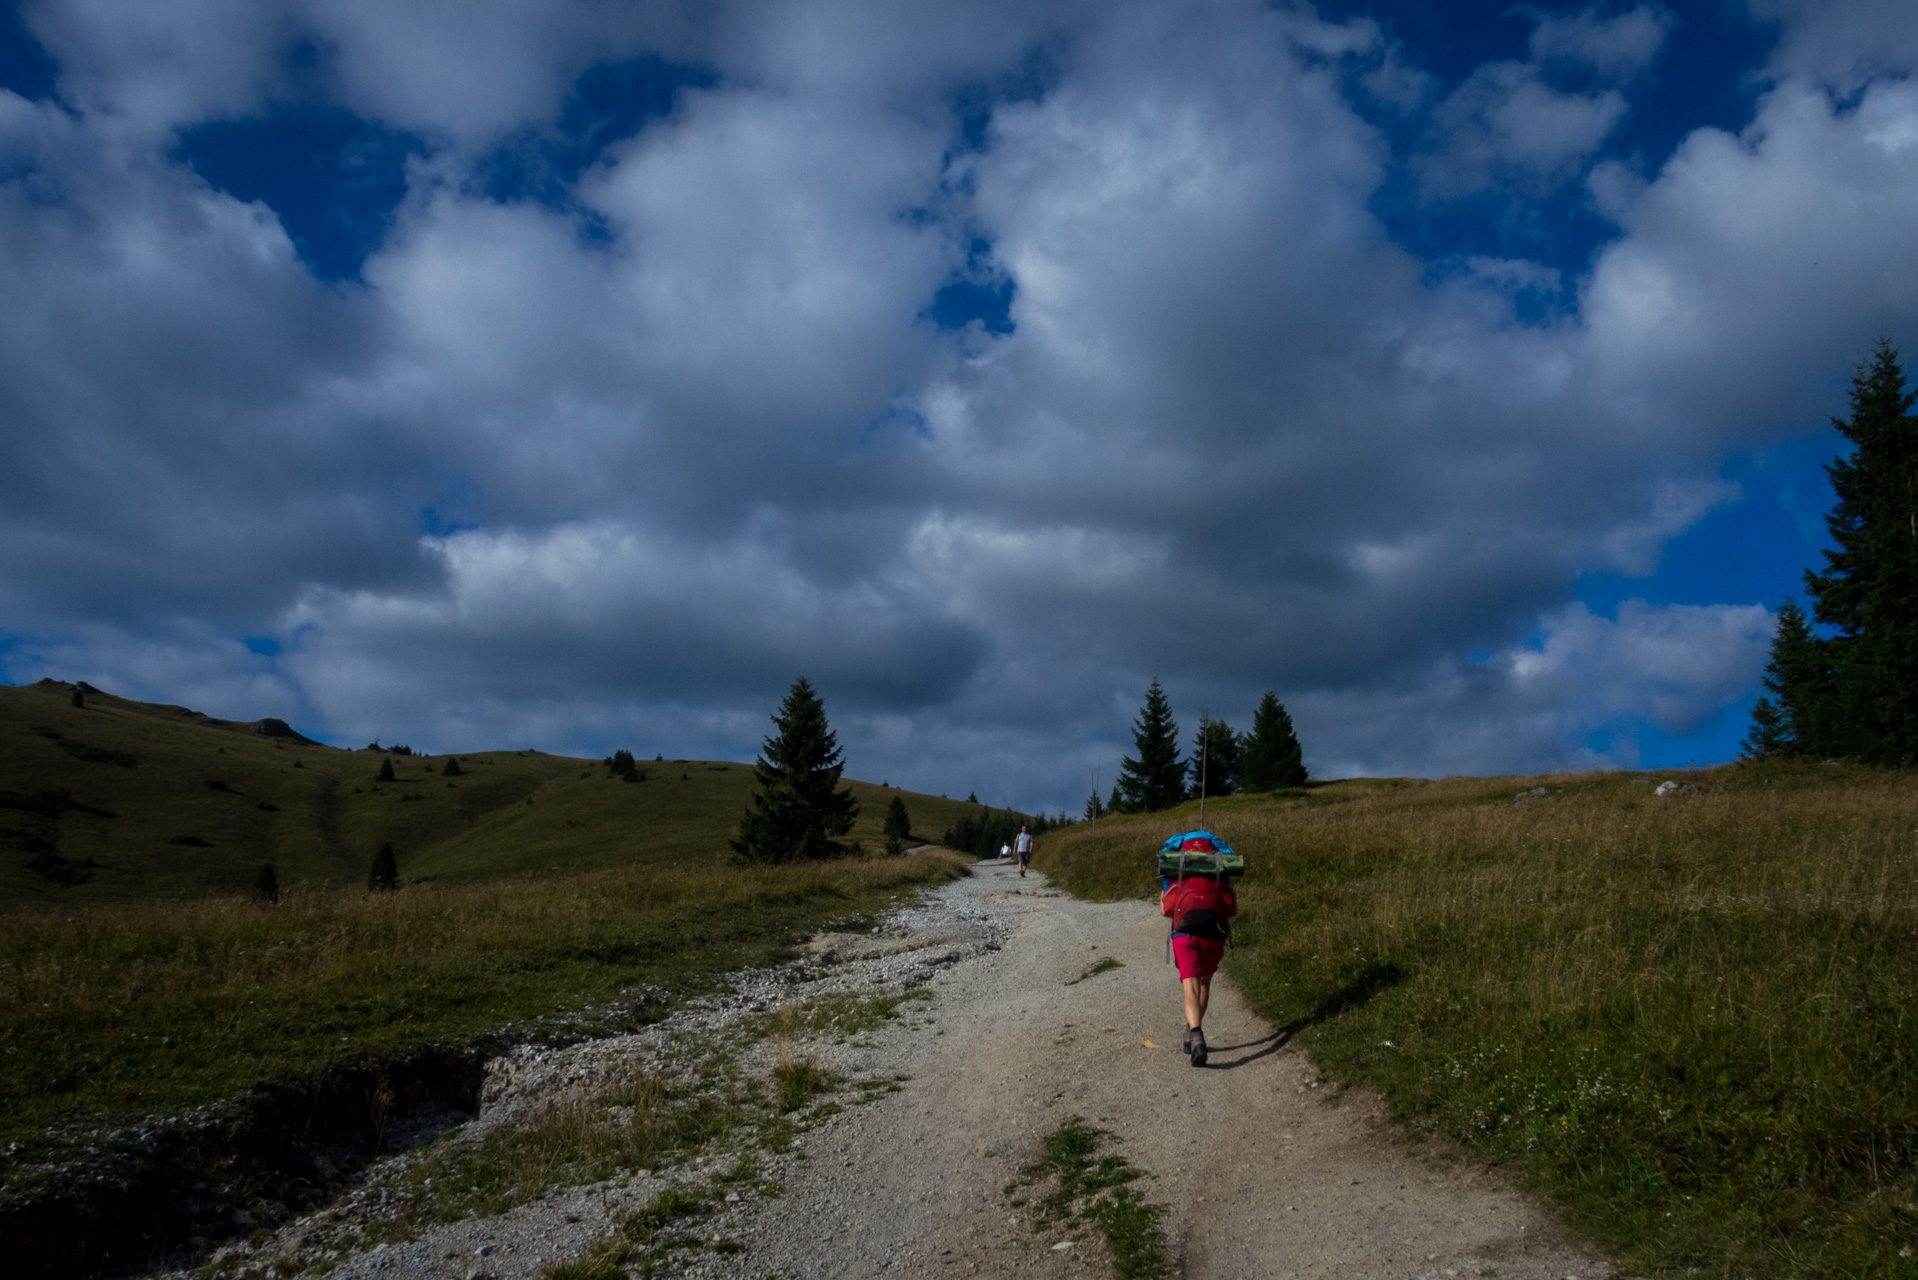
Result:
266,885
452,768
96,755
386,770
385,874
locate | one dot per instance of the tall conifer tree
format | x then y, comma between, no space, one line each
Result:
798,811
1273,757
898,828
1215,754
1156,779
1868,593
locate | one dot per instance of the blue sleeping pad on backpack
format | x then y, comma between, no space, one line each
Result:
1199,853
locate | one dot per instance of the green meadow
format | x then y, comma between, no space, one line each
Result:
139,976
1687,1018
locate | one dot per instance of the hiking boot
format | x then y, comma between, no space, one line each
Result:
1197,1049
1186,1048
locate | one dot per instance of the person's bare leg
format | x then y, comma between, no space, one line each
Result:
1196,990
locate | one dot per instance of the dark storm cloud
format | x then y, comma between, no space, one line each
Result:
622,411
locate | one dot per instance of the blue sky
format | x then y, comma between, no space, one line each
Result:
575,375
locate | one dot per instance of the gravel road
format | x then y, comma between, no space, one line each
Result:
1261,1171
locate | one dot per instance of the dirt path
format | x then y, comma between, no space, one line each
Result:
1262,1172
1260,1176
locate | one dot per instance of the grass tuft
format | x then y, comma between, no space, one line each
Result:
1106,964
799,1080
1096,1189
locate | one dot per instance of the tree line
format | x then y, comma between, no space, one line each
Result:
1223,762
983,836
1843,680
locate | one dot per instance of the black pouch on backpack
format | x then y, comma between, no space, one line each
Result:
1203,922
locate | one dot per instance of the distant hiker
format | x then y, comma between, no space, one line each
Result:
1005,853
1199,904
1022,845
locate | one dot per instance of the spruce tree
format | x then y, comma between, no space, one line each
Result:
1115,803
386,870
1094,809
1769,737
1797,717
1273,757
898,827
386,769
452,769
1156,779
1868,592
266,885
1215,759
798,812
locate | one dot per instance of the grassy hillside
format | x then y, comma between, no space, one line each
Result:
168,803
138,977
1690,1018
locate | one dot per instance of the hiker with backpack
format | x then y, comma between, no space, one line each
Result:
1199,902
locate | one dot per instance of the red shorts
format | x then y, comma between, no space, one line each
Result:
1197,957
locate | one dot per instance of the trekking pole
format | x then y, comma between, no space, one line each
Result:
1205,743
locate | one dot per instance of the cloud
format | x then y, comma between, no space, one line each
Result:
1506,127
1842,43
609,462
1768,256
1536,706
1614,49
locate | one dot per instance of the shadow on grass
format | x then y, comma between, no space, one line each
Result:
1265,1046
1361,986
1368,982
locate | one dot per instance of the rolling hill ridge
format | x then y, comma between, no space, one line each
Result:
116,800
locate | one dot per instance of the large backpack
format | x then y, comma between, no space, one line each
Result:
1200,909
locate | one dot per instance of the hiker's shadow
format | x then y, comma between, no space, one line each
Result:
1263,1047
1358,989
